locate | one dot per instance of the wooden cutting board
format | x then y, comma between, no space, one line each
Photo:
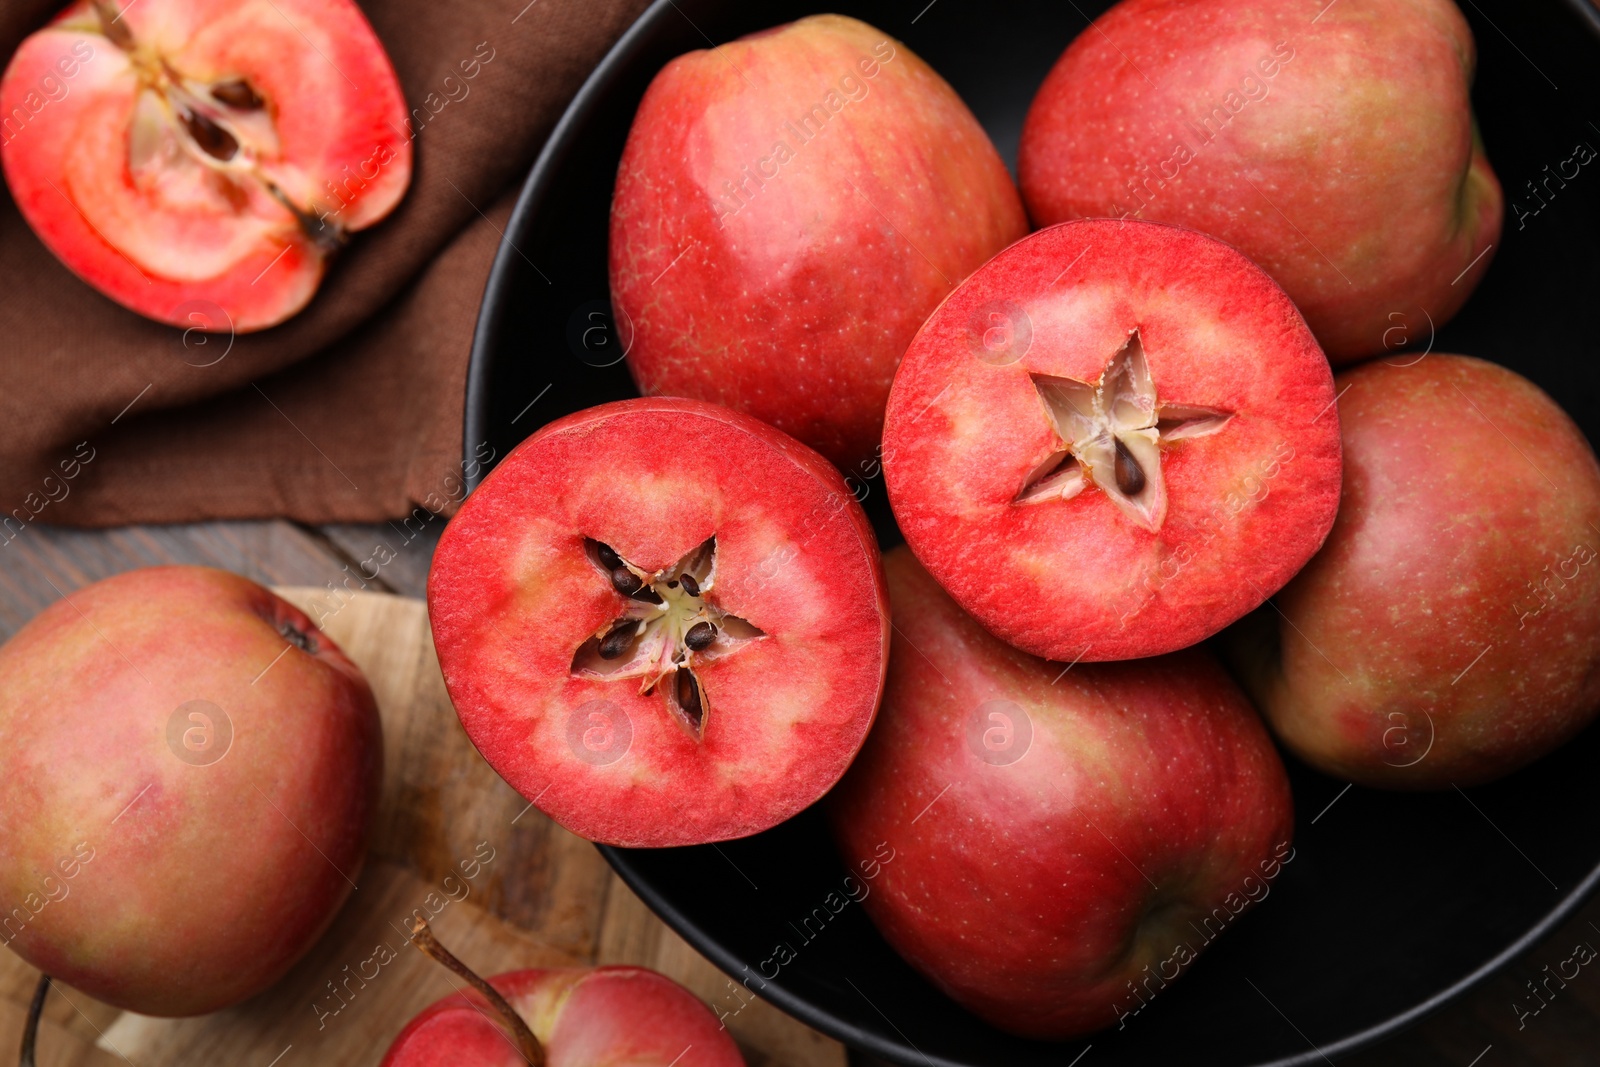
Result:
540,897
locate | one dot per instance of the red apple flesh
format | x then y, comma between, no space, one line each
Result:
1292,132
663,622
790,206
1065,843
1112,440
601,1017
1449,631
189,769
198,161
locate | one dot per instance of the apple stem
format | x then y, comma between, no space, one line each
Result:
30,1029
111,24
527,1044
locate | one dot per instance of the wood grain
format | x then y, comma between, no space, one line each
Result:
45,562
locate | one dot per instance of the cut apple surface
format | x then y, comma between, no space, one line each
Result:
183,154
604,1017
1112,440
663,622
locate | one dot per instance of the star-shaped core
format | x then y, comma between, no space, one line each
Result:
669,626
1111,434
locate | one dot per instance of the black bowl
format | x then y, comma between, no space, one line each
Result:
1393,903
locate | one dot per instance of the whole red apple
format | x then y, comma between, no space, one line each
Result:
1065,841
1113,440
1293,131
199,161
663,622
598,1017
188,769
1449,631
789,208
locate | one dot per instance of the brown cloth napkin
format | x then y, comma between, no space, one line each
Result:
350,411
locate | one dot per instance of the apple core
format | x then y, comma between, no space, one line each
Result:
668,627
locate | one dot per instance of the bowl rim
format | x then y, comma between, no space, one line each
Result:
497,292
842,1030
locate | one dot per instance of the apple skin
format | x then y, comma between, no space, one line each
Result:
1357,182
793,300
599,1017
1448,633
197,886
512,594
1037,892
173,240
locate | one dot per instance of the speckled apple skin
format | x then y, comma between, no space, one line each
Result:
1355,179
1070,579
1033,892
165,253
202,884
794,303
599,1017
1449,631
512,595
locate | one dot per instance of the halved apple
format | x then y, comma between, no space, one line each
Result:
183,153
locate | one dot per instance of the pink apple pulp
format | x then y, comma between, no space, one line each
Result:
1112,440
663,622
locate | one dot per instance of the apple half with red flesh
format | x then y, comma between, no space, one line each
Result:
1289,131
1112,440
599,1017
1065,843
789,207
189,770
182,156
663,622
1449,631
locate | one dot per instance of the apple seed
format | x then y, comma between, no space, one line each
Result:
670,625
625,581
700,635
621,636
1130,476
1112,433
213,140
237,94
688,693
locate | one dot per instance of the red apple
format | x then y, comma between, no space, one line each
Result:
1293,131
1449,631
579,1017
188,769
598,1017
1112,440
663,622
1065,842
790,206
198,161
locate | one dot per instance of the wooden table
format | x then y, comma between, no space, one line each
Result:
44,562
